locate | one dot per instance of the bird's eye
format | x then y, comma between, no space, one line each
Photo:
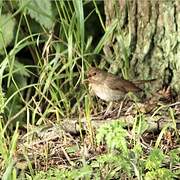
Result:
94,73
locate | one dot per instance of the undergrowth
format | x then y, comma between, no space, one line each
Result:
46,48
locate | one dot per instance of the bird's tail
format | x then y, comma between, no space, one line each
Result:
144,81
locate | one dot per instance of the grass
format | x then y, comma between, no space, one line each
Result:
42,75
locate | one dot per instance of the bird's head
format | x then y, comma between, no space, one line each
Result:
96,75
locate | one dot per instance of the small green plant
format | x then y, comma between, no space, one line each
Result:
129,159
72,173
154,164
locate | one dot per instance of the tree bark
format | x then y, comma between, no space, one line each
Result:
146,42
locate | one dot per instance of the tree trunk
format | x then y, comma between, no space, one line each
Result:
146,42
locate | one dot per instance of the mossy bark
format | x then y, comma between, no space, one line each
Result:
146,42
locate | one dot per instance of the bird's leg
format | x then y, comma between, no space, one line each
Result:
120,107
108,108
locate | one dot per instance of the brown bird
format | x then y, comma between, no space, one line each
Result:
110,87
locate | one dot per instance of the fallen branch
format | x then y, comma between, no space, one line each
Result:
155,123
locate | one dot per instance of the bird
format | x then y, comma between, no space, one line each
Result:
110,87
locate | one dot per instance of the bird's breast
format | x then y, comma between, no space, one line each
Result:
106,93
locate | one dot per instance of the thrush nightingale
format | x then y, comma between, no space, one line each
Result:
110,87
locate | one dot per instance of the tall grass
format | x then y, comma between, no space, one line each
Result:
49,81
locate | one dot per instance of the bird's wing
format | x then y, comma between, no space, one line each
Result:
116,83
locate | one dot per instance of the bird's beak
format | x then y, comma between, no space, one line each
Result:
86,81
